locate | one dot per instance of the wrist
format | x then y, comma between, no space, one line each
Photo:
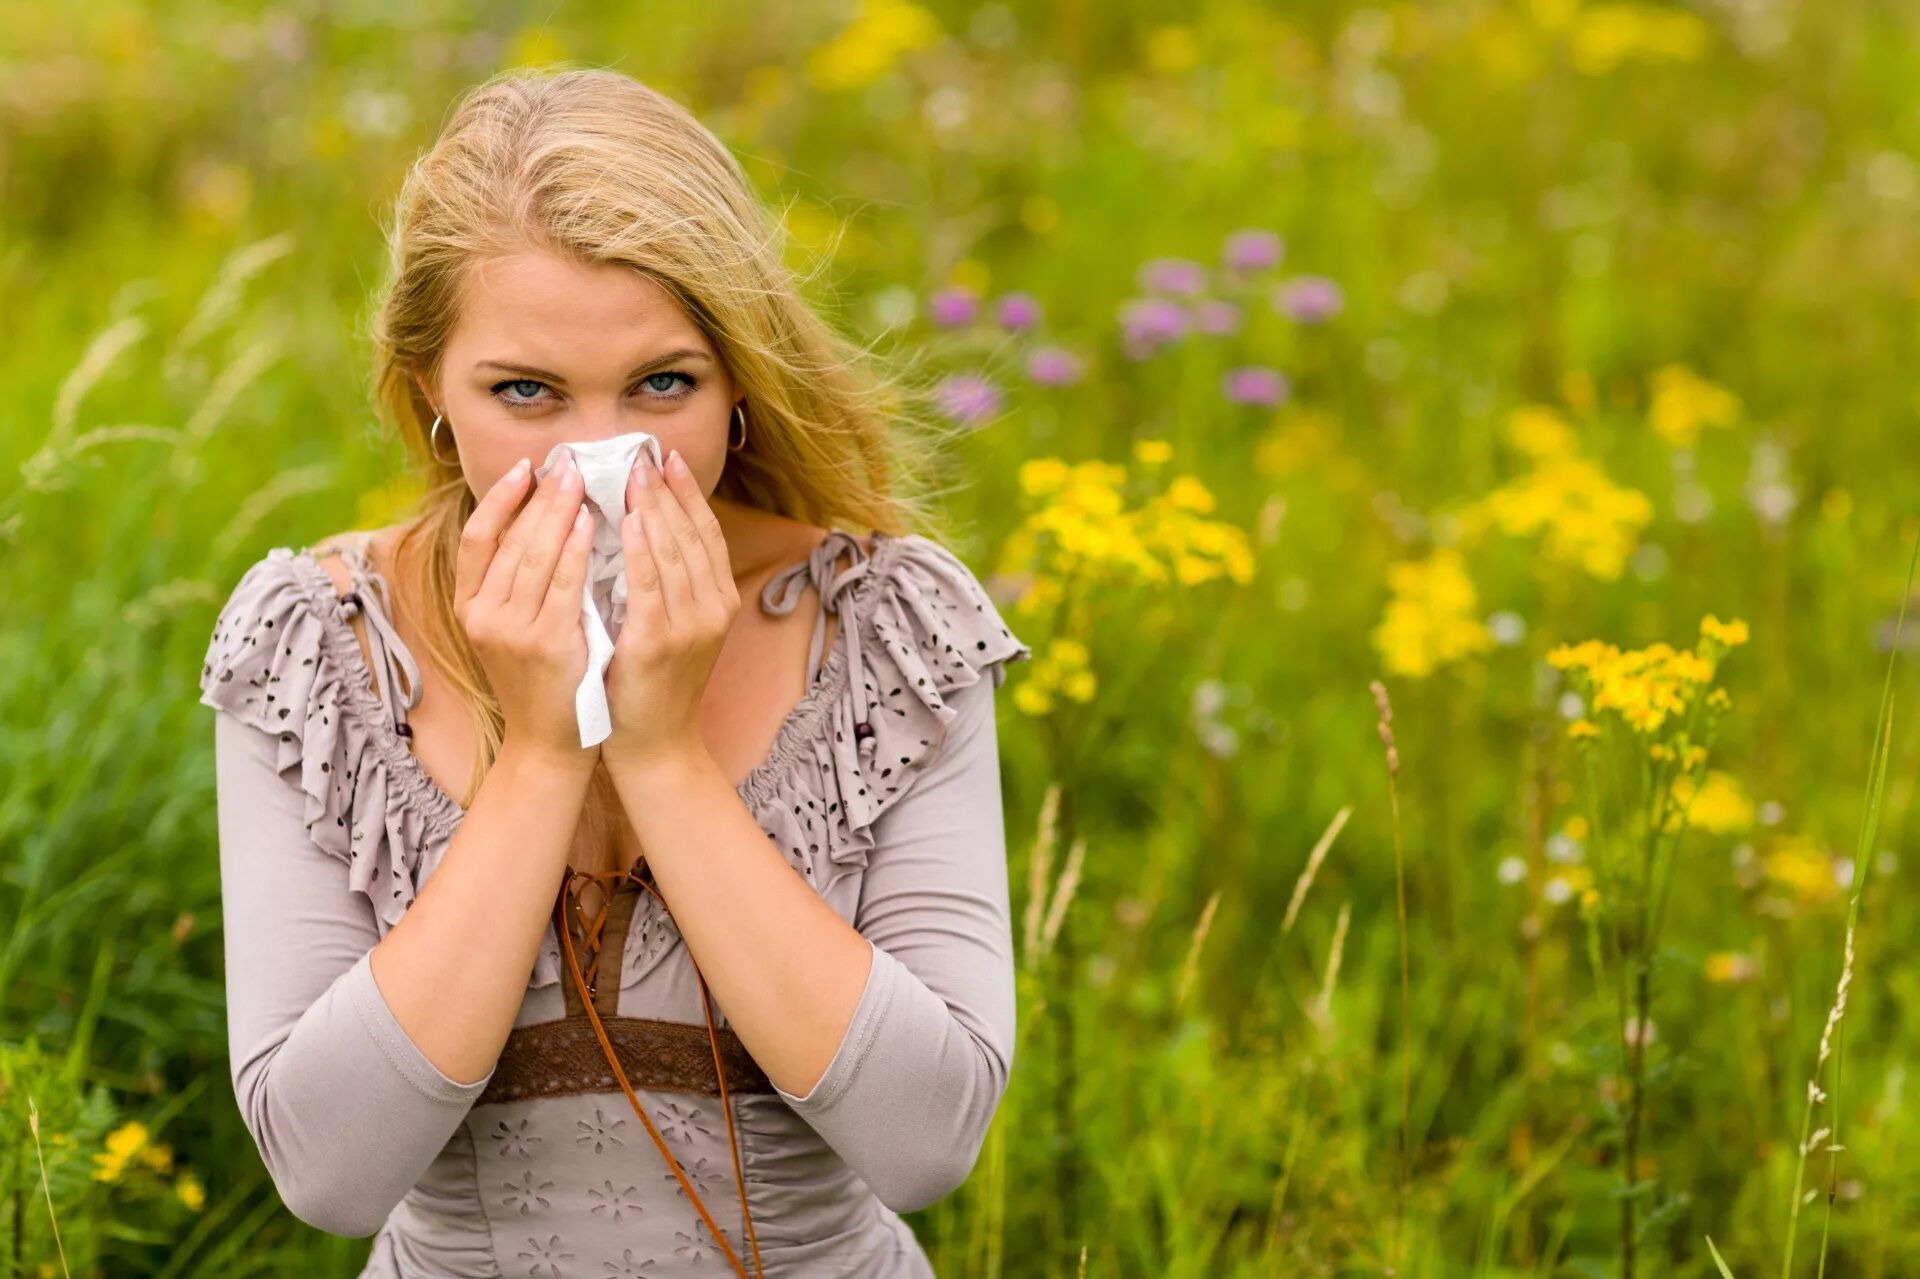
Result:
537,765
663,766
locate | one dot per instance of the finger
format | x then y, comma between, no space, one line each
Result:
548,535
700,535
646,606
564,589
480,536
669,560
497,589
693,555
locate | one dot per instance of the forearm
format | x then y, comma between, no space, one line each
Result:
785,968
454,969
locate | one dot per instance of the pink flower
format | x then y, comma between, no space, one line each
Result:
1147,324
1018,312
1309,299
1256,385
1054,366
968,398
1214,316
1251,250
1180,276
951,308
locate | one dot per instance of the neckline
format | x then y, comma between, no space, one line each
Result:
444,812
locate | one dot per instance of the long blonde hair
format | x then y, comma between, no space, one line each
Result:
593,163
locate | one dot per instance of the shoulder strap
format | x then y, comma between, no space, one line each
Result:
370,598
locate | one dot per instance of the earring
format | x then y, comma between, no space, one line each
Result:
432,442
739,415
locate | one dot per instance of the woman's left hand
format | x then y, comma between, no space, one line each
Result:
680,604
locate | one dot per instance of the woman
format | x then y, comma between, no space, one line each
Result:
728,991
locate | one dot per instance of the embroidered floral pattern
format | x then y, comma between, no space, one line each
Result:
546,1257
601,1133
514,1139
608,1202
525,1195
627,1267
681,1122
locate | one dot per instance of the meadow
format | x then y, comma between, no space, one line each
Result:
1452,461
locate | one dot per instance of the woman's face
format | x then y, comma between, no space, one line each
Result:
547,349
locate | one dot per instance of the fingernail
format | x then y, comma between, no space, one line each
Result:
580,519
520,469
678,463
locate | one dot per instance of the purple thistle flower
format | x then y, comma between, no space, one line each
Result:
1182,277
1150,323
1054,366
1309,299
1214,316
953,307
1251,250
1256,385
1018,312
968,398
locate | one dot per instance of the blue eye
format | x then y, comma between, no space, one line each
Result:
658,386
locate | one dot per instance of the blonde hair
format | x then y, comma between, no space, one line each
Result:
594,164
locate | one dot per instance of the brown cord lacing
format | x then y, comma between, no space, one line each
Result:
585,985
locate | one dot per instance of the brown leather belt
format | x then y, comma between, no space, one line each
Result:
563,1059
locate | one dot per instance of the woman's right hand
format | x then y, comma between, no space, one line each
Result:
516,592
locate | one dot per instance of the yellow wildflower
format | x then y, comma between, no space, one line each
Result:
1583,728
1152,452
1716,804
1803,867
1684,402
1732,634
189,1191
1584,519
867,47
1431,620
123,1143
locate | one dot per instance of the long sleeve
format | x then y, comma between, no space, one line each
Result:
346,1110
911,1091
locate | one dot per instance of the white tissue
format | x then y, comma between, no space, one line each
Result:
604,465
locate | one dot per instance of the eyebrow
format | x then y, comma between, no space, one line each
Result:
658,361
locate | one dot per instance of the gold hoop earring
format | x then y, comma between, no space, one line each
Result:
433,434
740,415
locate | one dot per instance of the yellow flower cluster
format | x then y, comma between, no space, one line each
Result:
1802,866
1587,521
1716,803
1085,532
1683,402
1431,619
1603,36
1060,669
132,1144
126,1143
869,45
1648,686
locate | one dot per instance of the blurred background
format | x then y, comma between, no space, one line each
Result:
1296,347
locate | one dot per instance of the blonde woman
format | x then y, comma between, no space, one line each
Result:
730,990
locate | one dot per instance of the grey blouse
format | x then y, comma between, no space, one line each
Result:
882,789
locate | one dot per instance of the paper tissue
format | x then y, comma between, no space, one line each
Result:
604,465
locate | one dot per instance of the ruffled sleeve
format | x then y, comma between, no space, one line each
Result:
280,662
915,625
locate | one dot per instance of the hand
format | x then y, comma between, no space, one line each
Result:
516,592
681,603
